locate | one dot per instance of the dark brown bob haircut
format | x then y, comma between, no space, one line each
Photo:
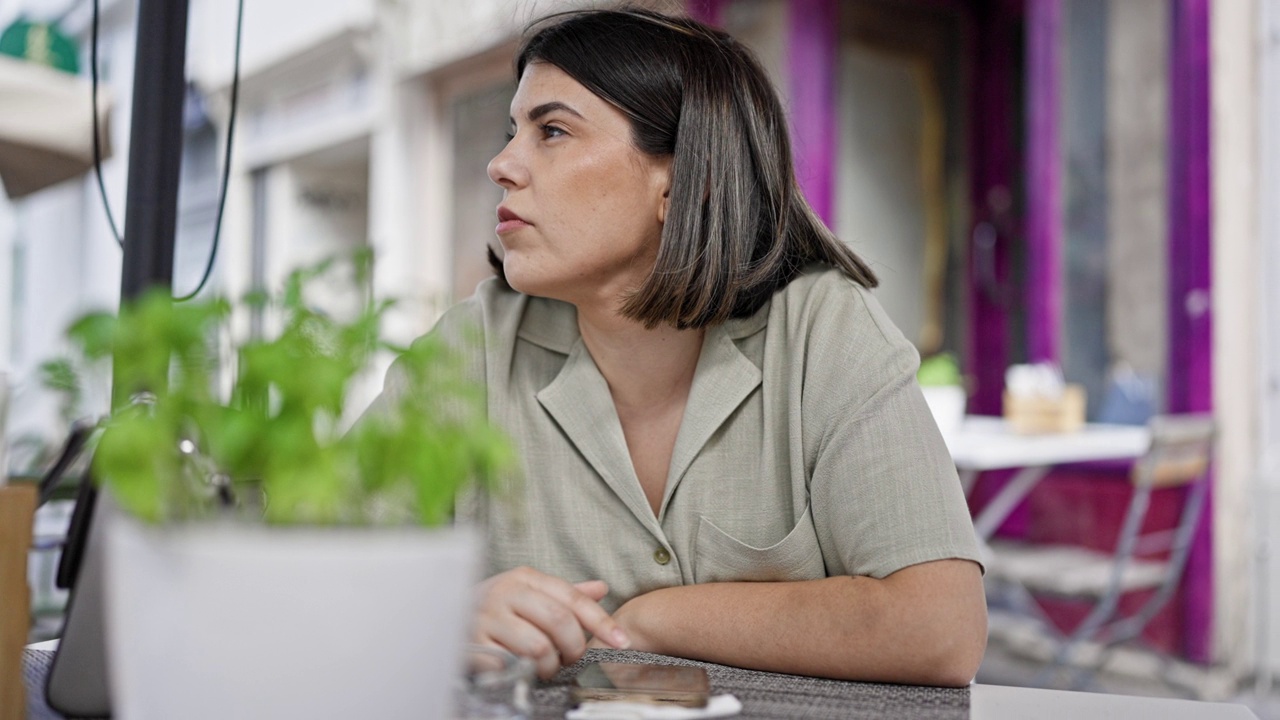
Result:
738,228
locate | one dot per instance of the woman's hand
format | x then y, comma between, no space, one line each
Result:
635,617
544,618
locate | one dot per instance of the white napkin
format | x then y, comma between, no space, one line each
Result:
1041,379
717,706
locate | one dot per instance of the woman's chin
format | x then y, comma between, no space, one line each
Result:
522,280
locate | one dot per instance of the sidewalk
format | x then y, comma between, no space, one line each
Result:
1015,658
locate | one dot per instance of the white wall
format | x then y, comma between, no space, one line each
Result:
399,167
273,29
53,271
441,33
1269,227
70,261
1268,375
41,10
1235,302
881,207
8,229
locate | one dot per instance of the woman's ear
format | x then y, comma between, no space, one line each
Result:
663,178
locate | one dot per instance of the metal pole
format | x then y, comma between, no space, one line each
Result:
155,146
151,210
151,214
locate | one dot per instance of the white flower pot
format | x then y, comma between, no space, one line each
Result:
229,620
947,402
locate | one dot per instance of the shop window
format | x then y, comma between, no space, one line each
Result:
1115,205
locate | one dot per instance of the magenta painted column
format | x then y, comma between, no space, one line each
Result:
1043,290
710,12
1190,374
812,44
997,227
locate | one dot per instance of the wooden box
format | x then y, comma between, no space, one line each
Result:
1036,414
17,506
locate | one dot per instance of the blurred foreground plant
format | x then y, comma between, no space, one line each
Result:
276,446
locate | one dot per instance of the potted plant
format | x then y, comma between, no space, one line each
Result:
943,387
264,561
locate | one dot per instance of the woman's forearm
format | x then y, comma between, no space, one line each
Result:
925,624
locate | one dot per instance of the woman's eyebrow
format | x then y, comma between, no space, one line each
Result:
549,107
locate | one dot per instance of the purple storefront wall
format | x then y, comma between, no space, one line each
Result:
710,12
812,45
991,47
993,166
1043,289
1190,374
812,42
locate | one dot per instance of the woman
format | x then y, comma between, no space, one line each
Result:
726,456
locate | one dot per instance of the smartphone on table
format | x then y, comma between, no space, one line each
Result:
653,684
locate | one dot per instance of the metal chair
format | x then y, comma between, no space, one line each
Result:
1180,452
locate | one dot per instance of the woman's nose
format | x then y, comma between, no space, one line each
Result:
505,169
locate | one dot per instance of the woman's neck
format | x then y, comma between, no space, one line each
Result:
644,367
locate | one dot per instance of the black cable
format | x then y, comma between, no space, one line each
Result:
97,143
226,159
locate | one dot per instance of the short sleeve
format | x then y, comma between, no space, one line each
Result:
883,488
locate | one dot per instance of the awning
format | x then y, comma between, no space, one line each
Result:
46,126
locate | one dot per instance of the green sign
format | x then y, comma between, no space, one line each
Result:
40,43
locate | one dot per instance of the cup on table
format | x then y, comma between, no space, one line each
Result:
495,685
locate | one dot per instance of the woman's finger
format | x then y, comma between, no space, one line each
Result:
586,608
542,617
556,621
522,638
593,617
594,589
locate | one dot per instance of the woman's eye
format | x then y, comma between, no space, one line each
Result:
551,131
509,136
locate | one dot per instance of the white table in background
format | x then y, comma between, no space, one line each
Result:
987,443
997,702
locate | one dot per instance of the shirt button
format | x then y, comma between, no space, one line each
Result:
661,556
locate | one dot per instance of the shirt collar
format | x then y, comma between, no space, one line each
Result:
553,324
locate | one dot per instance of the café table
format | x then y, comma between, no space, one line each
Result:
774,695
983,443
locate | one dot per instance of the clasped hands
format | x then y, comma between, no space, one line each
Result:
547,619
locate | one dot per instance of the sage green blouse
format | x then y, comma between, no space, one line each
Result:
806,449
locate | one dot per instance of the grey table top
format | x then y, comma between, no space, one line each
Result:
772,695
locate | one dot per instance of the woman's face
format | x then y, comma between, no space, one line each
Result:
582,208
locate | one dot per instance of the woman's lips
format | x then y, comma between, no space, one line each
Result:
508,221
507,226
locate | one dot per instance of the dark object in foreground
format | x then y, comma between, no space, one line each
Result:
775,695
642,683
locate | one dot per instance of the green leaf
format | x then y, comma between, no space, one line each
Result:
94,333
135,458
275,433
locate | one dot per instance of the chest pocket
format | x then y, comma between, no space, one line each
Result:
720,557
